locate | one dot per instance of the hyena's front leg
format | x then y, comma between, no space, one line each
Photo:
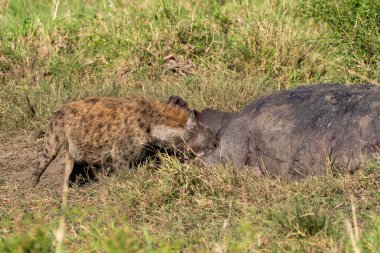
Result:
123,156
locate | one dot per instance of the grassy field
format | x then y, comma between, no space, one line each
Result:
219,54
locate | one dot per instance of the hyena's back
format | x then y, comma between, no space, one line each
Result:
90,128
93,126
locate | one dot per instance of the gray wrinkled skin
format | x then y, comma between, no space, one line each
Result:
299,132
199,138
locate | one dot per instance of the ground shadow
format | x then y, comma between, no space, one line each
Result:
83,173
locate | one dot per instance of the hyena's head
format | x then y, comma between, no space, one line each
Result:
190,136
198,138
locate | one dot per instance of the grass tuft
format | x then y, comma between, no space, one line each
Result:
303,221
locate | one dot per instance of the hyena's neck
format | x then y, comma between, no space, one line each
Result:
161,114
168,124
164,135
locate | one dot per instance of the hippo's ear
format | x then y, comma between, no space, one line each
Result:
191,123
176,100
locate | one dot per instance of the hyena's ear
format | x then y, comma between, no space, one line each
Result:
176,100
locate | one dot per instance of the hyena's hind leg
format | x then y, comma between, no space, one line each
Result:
53,143
69,166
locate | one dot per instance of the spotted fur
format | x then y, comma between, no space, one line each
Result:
115,132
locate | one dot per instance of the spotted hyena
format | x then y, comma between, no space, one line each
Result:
116,132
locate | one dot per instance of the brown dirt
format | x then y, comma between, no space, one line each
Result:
19,153
18,159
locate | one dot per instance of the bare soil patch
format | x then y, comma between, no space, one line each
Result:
19,153
19,157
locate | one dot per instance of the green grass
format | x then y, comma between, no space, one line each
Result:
239,50
354,25
185,207
229,52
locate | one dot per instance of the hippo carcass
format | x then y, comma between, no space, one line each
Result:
298,132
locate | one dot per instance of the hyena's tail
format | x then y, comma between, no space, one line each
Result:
54,139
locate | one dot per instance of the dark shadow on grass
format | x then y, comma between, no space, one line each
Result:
84,173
